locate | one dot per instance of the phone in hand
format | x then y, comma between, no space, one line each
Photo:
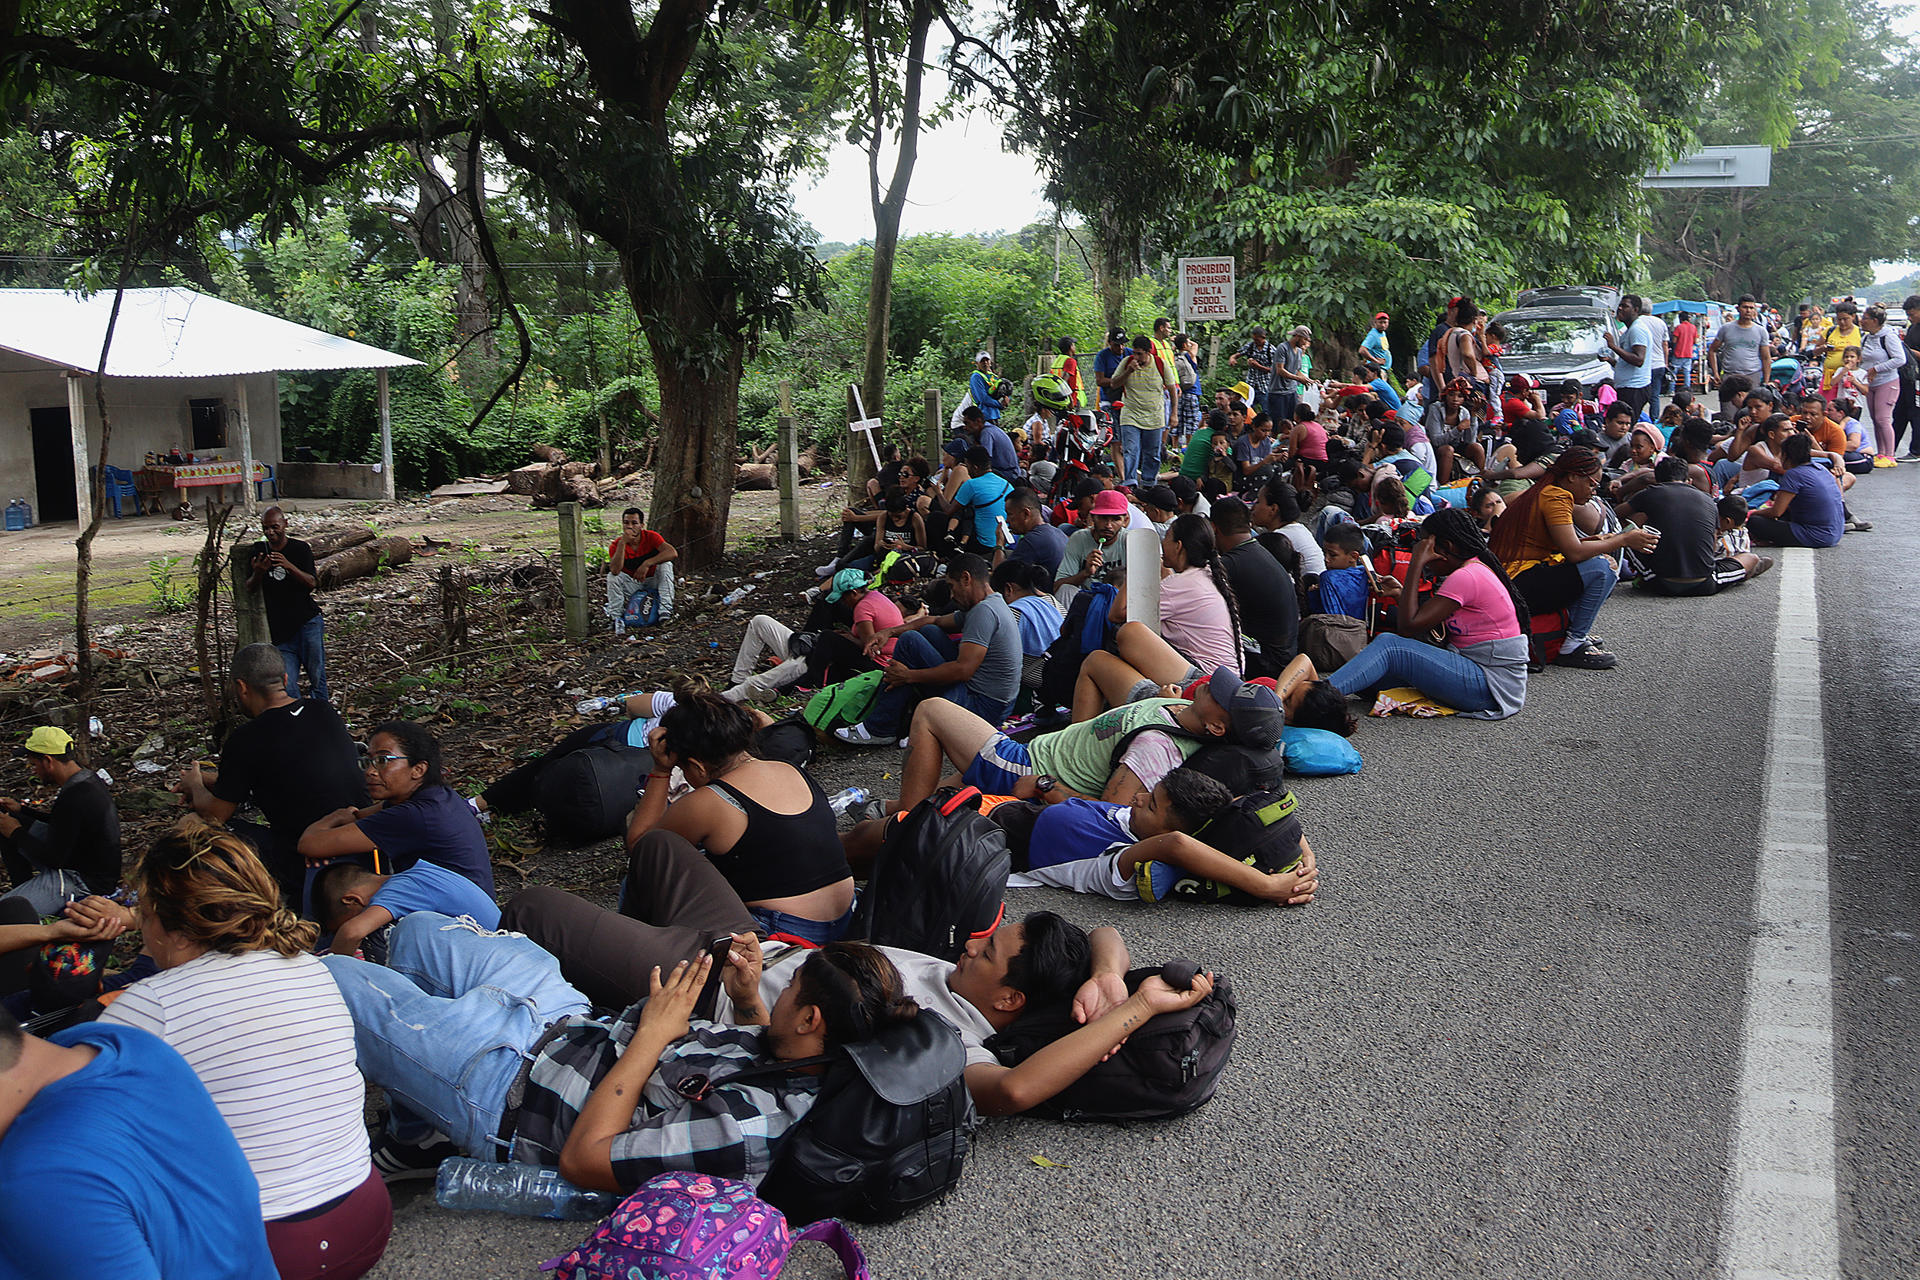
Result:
717,950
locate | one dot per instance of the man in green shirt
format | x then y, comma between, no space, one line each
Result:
1201,449
1079,759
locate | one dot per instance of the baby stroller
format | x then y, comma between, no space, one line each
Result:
1788,378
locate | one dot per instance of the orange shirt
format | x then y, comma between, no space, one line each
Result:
1828,435
1536,540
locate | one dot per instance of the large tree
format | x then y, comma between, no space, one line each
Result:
671,136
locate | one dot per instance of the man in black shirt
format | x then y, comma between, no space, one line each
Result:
70,848
1687,561
1269,610
282,572
293,759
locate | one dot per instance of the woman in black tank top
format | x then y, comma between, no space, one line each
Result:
766,825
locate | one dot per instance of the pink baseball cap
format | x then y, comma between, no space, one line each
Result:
1109,502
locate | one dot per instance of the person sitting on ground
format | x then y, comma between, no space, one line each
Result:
1307,446
1095,552
1553,566
1028,591
1483,671
353,903
1199,626
1348,584
639,564
1484,504
293,759
980,671
535,1078
1141,850
242,998
1525,457
1276,513
979,504
766,824
1454,430
1035,541
1084,759
1262,588
148,1177
835,654
1040,962
1645,447
1158,504
899,528
1687,561
1809,490
70,848
414,814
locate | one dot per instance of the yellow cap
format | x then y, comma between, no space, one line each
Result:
49,741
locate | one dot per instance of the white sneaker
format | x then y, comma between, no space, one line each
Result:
904,744
826,570
856,735
485,815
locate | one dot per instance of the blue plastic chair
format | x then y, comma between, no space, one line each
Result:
119,484
266,480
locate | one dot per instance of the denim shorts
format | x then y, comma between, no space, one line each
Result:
1001,763
815,931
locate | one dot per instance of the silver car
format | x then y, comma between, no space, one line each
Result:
1554,344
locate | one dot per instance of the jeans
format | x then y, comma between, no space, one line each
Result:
1581,589
656,590
1391,661
307,649
1280,407
447,1023
48,890
926,647
819,932
1682,370
1140,452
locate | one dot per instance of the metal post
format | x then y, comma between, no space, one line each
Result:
386,435
1213,354
936,426
786,465
246,442
82,464
573,571
249,607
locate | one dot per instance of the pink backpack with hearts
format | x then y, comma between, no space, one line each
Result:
689,1226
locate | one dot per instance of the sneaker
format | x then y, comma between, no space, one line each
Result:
1859,526
397,1161
1586,658
825,570
812,595
485,815
904,743
1908,456
1882,461
856,735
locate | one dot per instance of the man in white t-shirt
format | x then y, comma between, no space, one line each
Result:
1632,354
1657,354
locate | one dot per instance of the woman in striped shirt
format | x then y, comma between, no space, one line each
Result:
242,998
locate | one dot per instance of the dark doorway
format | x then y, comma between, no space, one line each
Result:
209,423
54,498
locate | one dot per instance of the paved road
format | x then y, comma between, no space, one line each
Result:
1505,1041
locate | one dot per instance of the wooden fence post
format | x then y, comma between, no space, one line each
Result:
249,608
786,466
573,571
936,427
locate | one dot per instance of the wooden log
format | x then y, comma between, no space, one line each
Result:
362,561
548,453
755,476
581,489
526,480
331,542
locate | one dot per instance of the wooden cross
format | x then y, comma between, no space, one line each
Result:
869,427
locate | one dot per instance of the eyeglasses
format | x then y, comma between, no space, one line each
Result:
382,761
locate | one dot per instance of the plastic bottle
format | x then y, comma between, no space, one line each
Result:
523,1189
851,798
737,595
593,706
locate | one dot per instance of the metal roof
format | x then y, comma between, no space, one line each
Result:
172,333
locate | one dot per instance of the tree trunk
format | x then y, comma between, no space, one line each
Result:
693,464
1118,258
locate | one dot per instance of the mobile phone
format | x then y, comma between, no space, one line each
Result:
717,951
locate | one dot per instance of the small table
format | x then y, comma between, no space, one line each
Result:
192,475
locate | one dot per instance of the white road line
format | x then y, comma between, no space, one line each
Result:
1782,1212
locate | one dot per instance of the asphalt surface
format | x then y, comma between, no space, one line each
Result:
1504,1041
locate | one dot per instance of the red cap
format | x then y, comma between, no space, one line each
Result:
1109,502
1381,315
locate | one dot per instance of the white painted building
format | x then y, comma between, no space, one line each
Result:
185,371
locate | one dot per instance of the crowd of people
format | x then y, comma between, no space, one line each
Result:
325,915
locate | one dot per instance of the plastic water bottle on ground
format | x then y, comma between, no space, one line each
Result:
737,595
855,801
523,1189
594,706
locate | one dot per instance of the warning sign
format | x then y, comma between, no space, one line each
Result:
1206,289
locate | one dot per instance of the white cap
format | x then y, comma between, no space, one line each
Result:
984,355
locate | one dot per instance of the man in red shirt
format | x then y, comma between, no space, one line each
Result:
1685,335
639,564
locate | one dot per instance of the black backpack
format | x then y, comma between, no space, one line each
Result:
586,795
1261,830
940,878
1167,1068
1241,770
789,741
888,1133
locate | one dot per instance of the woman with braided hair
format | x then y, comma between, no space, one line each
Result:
256,1015
1552,565
1483,670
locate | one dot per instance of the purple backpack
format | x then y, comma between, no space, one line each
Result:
689,1226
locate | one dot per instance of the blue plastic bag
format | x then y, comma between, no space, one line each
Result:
1317,753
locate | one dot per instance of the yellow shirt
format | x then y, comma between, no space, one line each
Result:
1838,342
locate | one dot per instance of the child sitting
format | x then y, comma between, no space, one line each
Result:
354,902
1347,584
1141,851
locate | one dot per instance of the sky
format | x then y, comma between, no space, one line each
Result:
965,182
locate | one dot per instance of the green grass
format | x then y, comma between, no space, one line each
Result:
48,593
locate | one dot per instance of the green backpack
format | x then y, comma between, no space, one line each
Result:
836,706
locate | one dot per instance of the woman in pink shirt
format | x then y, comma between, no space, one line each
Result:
1307,446
1199,628
1483,670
